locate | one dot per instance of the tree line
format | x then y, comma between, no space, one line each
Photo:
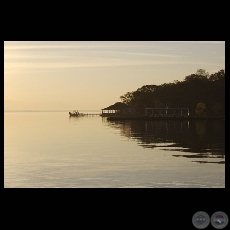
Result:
202,93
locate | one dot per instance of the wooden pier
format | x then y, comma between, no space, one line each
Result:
92,114
180,118
77,114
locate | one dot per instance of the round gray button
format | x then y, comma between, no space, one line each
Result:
200,220
219,220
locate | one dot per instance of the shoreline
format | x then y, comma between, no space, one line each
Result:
118,118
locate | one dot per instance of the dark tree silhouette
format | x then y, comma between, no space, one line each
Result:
195,88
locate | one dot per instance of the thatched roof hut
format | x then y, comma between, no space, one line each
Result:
114,110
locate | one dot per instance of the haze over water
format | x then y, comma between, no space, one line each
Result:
51,149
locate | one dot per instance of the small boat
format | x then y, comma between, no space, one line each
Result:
75,114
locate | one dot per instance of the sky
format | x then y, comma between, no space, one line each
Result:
92,75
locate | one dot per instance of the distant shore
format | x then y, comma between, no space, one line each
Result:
118,118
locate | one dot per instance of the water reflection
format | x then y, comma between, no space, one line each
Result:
195,139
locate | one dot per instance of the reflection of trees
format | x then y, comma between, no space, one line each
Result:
206,138
200,128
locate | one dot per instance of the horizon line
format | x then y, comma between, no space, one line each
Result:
45,110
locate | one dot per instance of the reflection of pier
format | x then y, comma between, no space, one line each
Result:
166,126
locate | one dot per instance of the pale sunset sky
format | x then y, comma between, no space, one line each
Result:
91,75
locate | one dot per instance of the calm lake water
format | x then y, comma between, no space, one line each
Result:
51,149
